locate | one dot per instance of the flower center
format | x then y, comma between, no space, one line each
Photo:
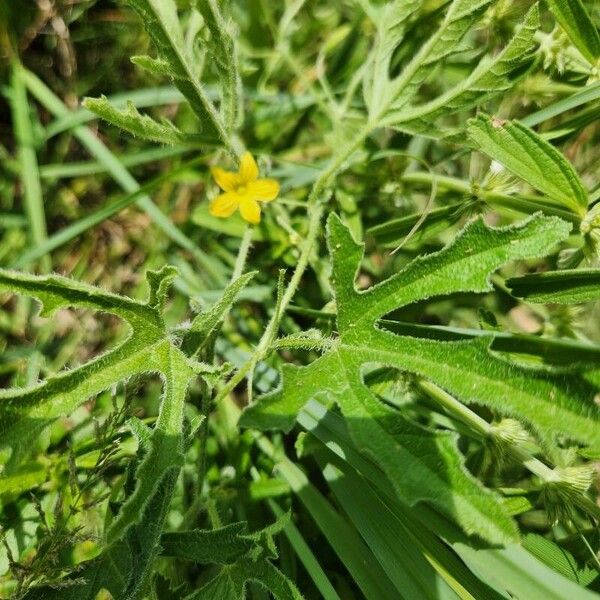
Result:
241,189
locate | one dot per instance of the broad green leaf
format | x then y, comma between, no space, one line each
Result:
530,157
426,465
575,20
561,287
245,557
331,429
492,76
141,126
146,349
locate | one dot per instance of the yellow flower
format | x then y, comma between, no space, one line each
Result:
243,190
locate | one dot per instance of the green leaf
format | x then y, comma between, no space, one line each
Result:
492,76
385,95
392,233
354,554
306,556
207,322
125,567
521,574
160,20
28,165
390,20
141,126
147,349
575,20
245,556
511,569
231,582
561,287
426,465
409,570
221,546
530,157
559,559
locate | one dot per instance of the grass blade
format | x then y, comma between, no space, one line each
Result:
30,177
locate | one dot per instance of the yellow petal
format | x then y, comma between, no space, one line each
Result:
250,210
224,205
264,190
226,180
248,168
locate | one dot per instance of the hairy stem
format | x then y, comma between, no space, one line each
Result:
240,261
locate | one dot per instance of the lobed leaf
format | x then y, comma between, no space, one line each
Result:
220,546
393,94
425,465
148,348
231,582
390,19
223,54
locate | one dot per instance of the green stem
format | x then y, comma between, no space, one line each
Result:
523,204
205,404
484,430
240,261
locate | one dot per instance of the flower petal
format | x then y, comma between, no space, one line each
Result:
224,205
226,180
248,168
264,190
250,210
